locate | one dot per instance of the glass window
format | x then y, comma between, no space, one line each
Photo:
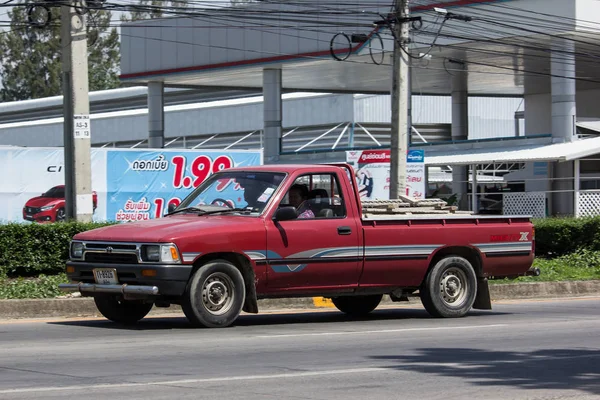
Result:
57,192
316,196
246,191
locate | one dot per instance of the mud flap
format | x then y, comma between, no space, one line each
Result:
483,300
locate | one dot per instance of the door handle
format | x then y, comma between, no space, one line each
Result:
344,230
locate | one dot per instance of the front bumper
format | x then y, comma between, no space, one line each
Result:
170,280
124,289
42,216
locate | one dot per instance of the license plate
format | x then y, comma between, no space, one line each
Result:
106,276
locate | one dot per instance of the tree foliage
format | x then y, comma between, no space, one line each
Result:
30,57
149,9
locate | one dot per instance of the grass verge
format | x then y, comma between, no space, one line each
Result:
41,287
582,265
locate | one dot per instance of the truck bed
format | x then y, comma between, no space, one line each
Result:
407,208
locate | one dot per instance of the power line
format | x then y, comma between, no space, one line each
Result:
296,19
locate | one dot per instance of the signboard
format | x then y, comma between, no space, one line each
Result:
128,185
372,173
142,184
81,126
415,174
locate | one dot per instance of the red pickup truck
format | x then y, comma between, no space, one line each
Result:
294,231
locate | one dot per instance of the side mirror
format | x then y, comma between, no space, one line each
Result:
285,214
171,208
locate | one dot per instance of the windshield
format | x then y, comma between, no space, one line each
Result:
57,192
240,190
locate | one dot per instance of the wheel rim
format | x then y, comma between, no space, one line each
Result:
218,293
454,287
60,215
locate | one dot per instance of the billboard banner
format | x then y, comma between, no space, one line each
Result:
32,185
142,184
127,184
372,173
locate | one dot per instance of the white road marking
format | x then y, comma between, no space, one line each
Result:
194,381
440,328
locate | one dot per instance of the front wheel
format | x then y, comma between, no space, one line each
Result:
450,288
122,311
61,215
357,305
215,295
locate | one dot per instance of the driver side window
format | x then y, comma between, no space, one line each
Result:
316,196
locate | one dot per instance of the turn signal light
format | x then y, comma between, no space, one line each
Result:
70,270
174,254
148,272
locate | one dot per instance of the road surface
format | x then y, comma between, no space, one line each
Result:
520,350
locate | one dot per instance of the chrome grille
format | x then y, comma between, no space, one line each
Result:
111,253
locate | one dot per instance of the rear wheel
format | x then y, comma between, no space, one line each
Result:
215,295
122,311
450,288
357,305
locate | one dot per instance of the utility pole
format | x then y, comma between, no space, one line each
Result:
77,132
400,83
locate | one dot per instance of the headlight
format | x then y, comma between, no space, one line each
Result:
46,208
166,253
76,250
152,253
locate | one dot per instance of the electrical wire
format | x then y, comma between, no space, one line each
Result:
304,17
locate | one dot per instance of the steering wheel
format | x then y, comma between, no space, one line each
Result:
219,200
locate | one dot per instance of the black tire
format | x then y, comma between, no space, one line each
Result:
215,295
357,306
61,215
450,288
122,311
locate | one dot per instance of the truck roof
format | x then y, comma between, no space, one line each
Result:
289,168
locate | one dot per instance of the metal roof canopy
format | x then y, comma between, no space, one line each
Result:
541,152
219,49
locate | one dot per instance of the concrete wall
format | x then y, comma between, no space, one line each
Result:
538,112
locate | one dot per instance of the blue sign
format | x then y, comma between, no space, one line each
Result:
142,183
415,156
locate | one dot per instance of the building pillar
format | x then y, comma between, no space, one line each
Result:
460,131
156,115
272,115
563,91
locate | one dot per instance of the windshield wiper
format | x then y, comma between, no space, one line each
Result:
225,210
184,210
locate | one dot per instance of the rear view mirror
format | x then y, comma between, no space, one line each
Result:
285,214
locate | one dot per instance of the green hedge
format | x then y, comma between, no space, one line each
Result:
556,237
33,249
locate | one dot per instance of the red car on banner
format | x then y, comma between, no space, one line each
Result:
50,206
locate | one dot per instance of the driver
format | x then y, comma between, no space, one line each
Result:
253,189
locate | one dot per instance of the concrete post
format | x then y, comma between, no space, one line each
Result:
77,128
563,91
156,115
272,115
460,131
